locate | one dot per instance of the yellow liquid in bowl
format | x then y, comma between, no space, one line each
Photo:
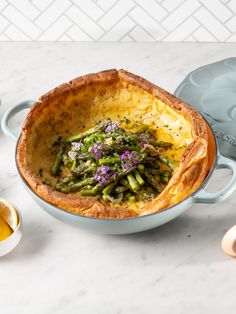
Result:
5,229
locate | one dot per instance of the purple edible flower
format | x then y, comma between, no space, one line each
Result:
128,159
112,126
97,150
103,174
75,147
72,154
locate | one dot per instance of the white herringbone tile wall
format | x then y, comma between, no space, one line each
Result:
118,20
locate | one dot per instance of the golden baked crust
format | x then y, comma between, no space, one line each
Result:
85,100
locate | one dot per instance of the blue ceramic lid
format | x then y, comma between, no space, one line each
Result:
211,89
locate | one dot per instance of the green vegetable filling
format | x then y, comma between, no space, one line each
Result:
113,164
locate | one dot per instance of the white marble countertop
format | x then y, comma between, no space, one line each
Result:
178,268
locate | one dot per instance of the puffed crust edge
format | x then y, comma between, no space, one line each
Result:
192,170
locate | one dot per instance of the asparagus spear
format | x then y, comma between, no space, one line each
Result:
109,160
132,182
76,137
88,192
79,136
74,187
68,178
165,145
97,188
154,171
160,171
165,176
151,180
119,175
109,188
110,198
141,168
125,183
84,156
131,198
138,177
58,161
73,165
165,160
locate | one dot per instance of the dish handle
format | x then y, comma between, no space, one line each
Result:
210,198
9,114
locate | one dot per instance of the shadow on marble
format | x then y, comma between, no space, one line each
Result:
35,238
192,232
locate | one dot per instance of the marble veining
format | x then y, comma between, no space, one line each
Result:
178,268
